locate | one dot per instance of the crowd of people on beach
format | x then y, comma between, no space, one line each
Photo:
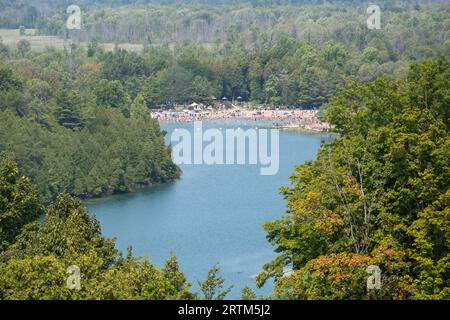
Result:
279,118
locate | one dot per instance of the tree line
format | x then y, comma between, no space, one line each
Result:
245,26
298,56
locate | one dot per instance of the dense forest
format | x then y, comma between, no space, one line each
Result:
69,130
377,195
252,27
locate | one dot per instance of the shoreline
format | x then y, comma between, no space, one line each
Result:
132,190
283,119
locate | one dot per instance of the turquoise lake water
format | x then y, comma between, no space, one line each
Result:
213,214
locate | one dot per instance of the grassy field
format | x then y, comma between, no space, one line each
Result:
11,37
38,43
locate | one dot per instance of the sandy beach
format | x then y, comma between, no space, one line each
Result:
280,118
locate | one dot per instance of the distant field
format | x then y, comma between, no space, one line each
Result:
38,43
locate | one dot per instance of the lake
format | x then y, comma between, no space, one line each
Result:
213,214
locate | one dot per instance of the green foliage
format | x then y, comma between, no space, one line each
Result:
8,81
342,276
378,195
248,294
35,255
431,258
139,107
33,278
104,163
23,48
112,95
68,110
279,55
122,64
70,132
93,48
211,288
19,203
